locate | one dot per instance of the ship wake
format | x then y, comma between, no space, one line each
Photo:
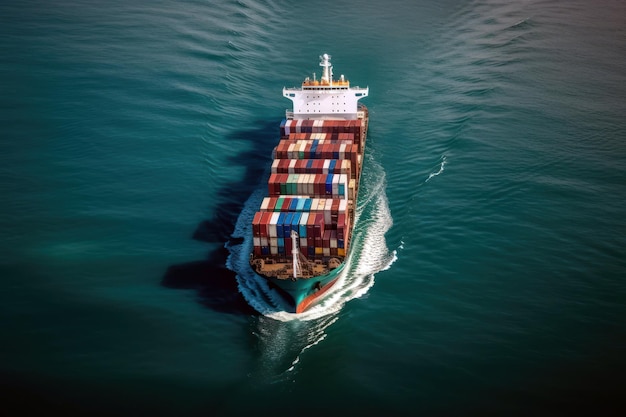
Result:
369,254
283,338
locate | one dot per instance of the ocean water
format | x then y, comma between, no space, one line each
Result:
489,265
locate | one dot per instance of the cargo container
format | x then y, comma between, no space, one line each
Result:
302,230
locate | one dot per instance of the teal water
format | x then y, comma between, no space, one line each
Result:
489,264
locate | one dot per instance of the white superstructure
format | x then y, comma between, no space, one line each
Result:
325,98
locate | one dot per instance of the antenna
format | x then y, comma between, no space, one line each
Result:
297,268
327,75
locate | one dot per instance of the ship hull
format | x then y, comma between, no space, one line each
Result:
302,229
302,293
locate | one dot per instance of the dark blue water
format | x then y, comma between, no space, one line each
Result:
490,250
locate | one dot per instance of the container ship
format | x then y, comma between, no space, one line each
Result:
303,228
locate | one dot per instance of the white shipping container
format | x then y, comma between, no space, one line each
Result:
301,185
317,125
328,206
305,181
287,127
264,241
314,203
304,219
256,241
265,204
271,230
343,206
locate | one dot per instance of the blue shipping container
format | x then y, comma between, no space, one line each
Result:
287,225
329,184
295,222
279,225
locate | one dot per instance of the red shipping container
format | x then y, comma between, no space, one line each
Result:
310,228
256,224
289,150
353,156
335,207
302,165
265,221
278,151
270,184
320,185
317,227
328,126
318,150
286,204
272,204
288,247
342,218
326,239
328,151
279,178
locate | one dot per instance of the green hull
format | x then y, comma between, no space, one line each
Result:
303,292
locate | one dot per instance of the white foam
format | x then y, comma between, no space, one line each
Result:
441,168
284,337
368,255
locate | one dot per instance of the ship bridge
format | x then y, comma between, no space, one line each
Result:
325,98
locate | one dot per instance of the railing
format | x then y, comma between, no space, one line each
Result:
359,114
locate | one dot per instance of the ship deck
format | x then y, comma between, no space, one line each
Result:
284,269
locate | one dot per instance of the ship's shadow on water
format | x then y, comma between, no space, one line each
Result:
215,283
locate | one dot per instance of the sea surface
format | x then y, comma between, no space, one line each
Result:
488,273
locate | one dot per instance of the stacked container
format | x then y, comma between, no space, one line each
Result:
332,128
311,190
